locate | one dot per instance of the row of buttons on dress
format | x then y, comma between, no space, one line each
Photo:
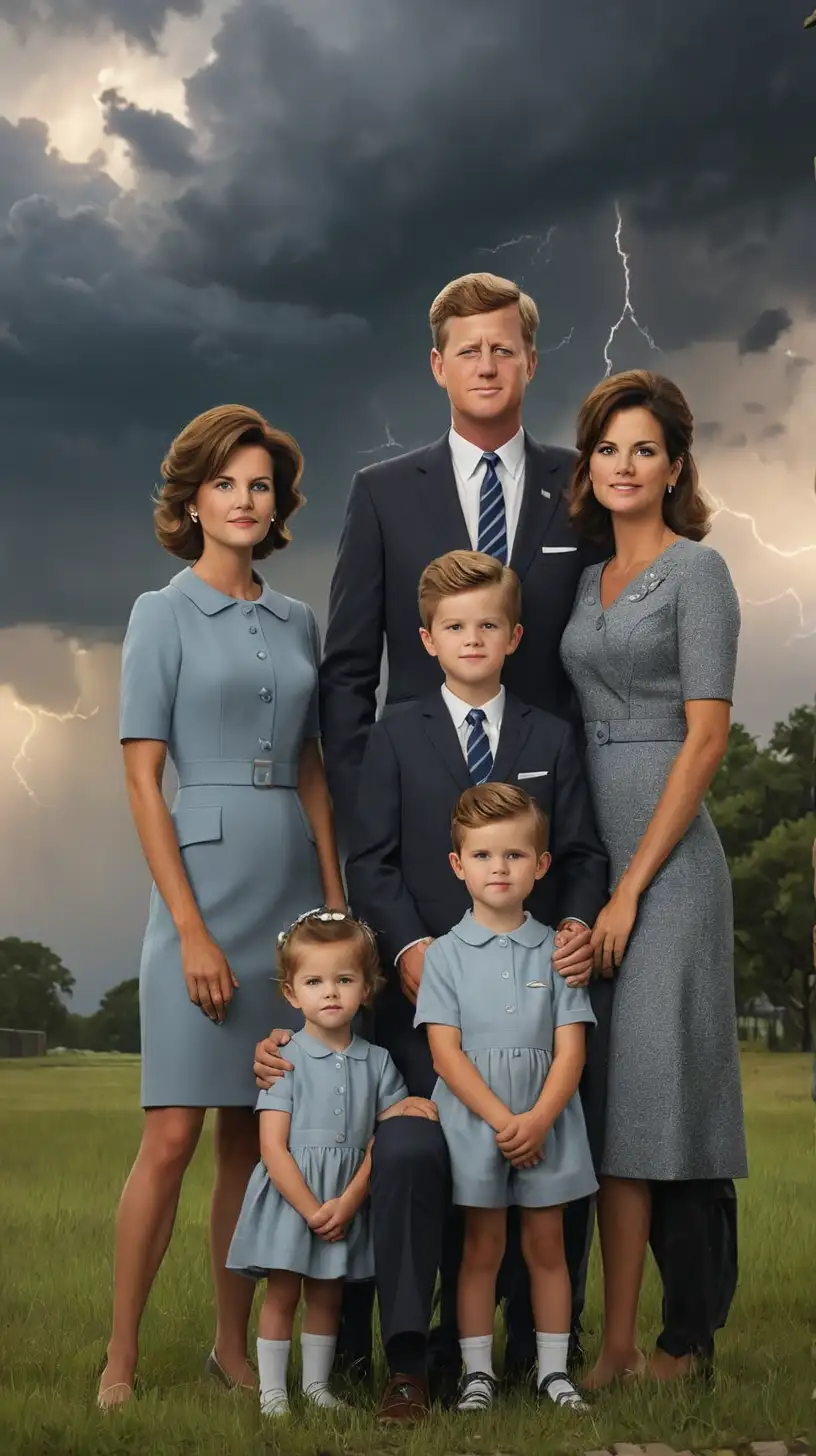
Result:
506,974
338,1111
265,694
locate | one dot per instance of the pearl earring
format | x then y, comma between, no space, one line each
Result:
671,488
193,513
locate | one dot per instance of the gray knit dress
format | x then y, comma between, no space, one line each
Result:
674,1106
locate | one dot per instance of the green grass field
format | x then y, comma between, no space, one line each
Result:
69,1128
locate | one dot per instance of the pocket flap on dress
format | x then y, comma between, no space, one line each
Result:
197,823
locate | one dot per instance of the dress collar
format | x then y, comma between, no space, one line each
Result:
210,601
467,456
530,933
357,1048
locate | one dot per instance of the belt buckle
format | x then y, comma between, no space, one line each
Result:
262,773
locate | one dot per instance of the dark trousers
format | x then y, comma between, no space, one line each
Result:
418,1232
693,1238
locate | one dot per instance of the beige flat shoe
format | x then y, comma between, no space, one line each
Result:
214,1368
111,1395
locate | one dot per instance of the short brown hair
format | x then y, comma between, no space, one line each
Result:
311,930
462,571
199,453
481,293
686,510
492,804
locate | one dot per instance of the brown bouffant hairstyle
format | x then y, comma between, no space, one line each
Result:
200,453
686,510
462,571
313,931
481,293
491,804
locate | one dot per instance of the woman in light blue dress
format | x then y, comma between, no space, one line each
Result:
219,672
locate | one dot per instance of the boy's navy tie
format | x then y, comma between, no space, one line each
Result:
479,757
492,516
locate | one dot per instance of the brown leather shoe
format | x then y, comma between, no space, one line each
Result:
405,1401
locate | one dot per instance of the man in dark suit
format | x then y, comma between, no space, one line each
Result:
415,765
404,512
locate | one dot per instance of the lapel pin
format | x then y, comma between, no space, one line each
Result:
536,985
546,494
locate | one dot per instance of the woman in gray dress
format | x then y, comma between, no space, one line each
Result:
220,672
651,649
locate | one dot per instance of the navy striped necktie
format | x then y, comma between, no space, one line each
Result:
492,538
479,757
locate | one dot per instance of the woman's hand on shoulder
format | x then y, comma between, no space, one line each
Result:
207,973
269,1065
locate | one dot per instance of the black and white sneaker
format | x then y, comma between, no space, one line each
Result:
477,1392
561,1391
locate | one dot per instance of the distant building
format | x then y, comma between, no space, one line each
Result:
14,1043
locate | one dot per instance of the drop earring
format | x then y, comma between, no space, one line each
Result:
670,489
193,513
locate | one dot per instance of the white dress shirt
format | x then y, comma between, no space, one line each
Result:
469,470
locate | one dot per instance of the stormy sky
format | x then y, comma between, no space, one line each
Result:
256,200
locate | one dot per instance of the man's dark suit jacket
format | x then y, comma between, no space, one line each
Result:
401,514
398,874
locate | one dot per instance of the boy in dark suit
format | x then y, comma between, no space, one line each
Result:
416,763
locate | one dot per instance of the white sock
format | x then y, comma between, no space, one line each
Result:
317,1358
552,1360
477,1357
273,1362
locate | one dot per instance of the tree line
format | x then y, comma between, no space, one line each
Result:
763,802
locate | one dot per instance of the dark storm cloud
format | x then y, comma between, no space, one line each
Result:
140,20
773,432
156,141
766,331
340,180
708,430
753,407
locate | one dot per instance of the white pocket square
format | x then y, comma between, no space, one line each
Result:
535,773
553,549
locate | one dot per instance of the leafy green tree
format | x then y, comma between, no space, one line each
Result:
32,981
116,1024
773,911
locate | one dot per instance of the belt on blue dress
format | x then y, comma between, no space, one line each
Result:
635,730
256,773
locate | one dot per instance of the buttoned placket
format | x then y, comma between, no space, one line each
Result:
267,691
339,1091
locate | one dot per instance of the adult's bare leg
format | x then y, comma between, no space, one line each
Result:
236,1149
144,1224
624,1215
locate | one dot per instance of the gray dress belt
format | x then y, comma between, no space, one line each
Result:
256,773
635,730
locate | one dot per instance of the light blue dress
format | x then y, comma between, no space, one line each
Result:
231,687
502,993
334,1100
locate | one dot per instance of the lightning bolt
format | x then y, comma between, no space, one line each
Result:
543,240
627,310
35,713
794,596
567,339
388,444
786,553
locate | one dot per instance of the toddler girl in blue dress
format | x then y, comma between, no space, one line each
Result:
304,1225
508,1040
